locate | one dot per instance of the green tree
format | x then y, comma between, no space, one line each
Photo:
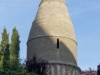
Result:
6,59
3,46
14,50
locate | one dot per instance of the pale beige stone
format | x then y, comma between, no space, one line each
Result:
52,68
52,22
58,70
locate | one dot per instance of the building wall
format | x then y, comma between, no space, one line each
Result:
64,69
52,22
46,48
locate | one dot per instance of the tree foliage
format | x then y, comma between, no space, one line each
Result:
10,59
89,72
37,65
6,64
14,50
4,49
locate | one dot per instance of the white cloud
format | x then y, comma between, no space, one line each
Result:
93,5
79,10
17,5
22,27
84,6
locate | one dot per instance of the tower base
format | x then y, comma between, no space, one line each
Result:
62,68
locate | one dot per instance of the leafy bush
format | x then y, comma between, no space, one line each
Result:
38,66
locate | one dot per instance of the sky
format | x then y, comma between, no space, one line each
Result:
85,16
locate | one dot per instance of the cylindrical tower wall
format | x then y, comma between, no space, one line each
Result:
46,48
52,38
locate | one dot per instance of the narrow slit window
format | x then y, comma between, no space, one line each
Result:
57,43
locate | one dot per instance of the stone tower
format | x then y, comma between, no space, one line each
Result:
52,38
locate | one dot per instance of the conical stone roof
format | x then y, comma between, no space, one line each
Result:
52,19
53,0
